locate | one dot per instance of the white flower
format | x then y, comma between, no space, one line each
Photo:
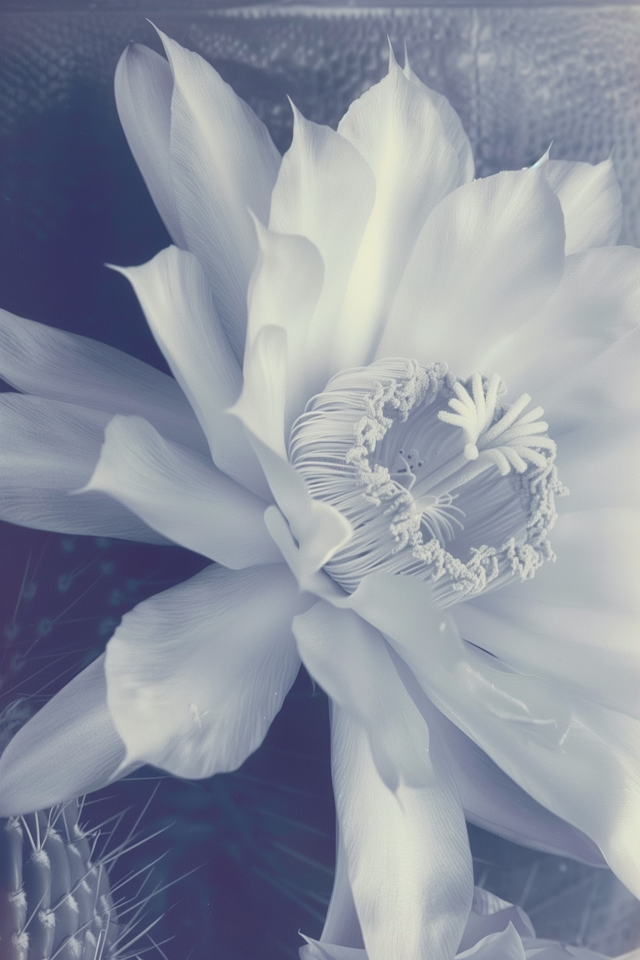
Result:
495,930
380,501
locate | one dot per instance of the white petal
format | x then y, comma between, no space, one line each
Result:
177,301
577,621
320,530
325,191
580,760
490,915
222,162
341,925
506,945
47,451
591,202
284,291
143,88
352,663
595,414
454,131
489,256
314,950
68,748
596,302
494,801
63,366
408,856
401,133
196,674
182,496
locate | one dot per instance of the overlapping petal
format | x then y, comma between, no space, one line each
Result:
591,202
576,622
222,161
182,496
413,146
494,801
325,192
487,259
178,304
394,793
575,757
48,450
595,304
67,749
410,904
196,674
143,89
63,366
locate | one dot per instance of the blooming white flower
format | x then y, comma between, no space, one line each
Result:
495,930
363,339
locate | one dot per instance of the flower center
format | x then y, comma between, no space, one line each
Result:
440,479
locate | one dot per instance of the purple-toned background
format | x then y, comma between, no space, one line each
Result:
260,841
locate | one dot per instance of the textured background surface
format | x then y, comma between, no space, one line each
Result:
71,199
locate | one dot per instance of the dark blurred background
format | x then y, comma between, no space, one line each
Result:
259,842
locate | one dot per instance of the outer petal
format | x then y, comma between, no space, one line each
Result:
177,301
394,794
489,256
68,748
576,622
591,202
494,801
407,852
401,133
325,191
182,496
576,758
196,674
143,88
596,302
63,366
48,450
222,162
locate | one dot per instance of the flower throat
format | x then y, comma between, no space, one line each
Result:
439,478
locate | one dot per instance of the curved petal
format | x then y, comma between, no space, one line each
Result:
402,135
222,162
488,257
577,621
283,292
494,801
68,748
596,302
320,529
46,362
591,202
595,413
325,191
453,129
48,450
196,674
182,496
490,915
575,757
341,925
352,663
143,88
177,302
407,852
